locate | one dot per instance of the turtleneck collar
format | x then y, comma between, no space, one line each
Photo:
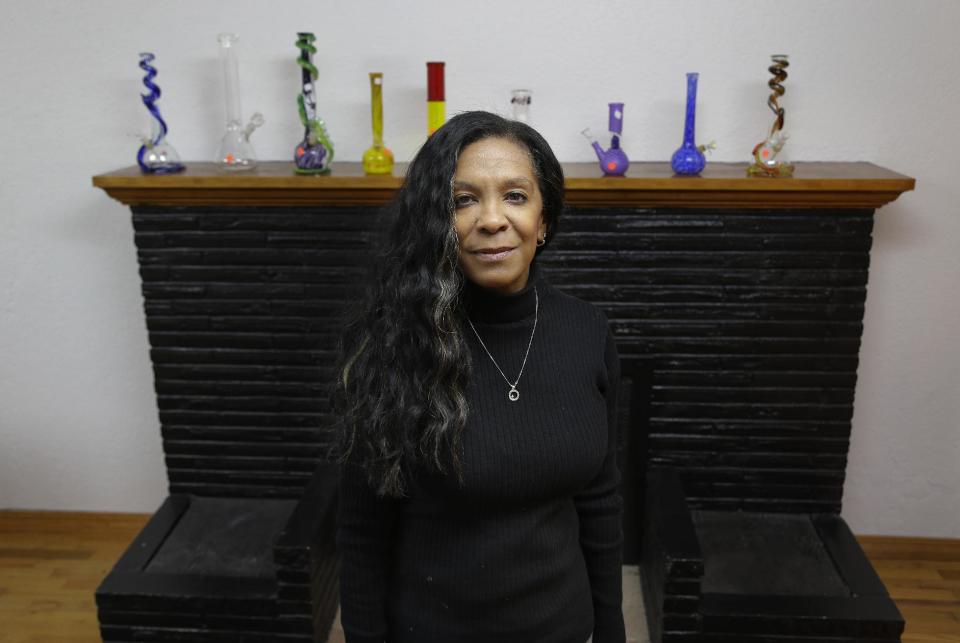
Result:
489,306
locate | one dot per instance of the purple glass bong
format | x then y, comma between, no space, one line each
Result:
613,161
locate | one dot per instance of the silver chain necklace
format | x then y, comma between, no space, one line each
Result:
514,394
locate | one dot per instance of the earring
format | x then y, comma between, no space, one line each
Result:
540,242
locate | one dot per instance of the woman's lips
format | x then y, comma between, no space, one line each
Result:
491,257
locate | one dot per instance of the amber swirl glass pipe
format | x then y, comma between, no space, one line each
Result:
765,161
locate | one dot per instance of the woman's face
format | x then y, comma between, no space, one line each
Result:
498,205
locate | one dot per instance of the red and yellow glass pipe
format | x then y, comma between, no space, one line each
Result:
436,98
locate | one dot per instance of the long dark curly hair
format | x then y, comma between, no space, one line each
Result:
398,400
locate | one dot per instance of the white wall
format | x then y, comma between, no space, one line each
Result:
871,81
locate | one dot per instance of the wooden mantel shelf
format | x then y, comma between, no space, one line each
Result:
814,185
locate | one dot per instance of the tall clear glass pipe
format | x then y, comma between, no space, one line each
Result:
378,159
236,151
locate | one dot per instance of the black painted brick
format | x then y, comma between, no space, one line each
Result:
751,322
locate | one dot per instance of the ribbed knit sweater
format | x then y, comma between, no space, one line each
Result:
530,550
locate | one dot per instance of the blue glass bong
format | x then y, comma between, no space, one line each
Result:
613,161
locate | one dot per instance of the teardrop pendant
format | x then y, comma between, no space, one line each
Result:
514,394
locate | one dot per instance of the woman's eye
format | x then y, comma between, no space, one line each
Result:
516,197
462,199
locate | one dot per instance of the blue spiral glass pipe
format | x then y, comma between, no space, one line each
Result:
155,155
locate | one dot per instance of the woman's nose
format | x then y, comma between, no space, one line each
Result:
492,217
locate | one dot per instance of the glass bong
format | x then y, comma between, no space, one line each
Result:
314,153
236,151
613,161
436,96
768,159
378,159
156,155
520,100
689,159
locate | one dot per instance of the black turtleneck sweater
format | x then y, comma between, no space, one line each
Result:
530,550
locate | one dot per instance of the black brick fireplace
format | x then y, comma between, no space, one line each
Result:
738,309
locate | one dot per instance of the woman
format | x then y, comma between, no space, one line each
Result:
476,405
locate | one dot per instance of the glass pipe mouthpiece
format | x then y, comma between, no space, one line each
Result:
231,74
257,120
594,143
616,119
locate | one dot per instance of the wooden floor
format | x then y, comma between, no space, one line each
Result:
51,562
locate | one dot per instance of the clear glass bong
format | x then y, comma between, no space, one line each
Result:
520,100
236,151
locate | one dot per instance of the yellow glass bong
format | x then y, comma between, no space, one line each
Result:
378,159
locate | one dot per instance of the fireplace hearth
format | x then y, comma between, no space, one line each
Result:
737,305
